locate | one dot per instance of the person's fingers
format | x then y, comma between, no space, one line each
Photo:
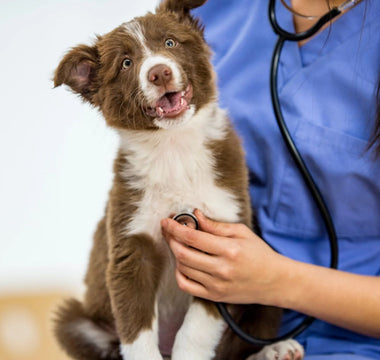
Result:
220,228
200,284
192,258
190,286
199,240
196,275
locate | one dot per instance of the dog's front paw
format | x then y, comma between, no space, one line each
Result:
283,350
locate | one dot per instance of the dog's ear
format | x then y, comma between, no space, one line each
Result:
78,70
182,7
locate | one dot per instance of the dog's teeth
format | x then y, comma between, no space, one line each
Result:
182,101
183,93
160,111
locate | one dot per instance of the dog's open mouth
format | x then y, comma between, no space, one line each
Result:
172,104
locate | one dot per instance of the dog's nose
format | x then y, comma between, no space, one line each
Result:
160,75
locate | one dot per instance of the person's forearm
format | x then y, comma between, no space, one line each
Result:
343,299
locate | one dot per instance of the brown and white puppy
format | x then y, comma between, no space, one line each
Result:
152,80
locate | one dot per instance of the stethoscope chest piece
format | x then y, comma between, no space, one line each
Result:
187,219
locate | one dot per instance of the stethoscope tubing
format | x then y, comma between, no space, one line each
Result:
283,36
307,177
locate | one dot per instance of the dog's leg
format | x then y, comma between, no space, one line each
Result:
133,277
144,347
200,333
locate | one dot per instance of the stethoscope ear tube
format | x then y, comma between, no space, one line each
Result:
306,175
314,191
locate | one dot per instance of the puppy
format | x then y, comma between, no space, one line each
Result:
152,80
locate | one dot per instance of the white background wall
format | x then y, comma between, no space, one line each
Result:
55,152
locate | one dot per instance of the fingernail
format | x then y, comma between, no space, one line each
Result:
199,213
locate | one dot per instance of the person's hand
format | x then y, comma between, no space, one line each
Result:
222,262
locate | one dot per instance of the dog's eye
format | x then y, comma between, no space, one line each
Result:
170,43
126,63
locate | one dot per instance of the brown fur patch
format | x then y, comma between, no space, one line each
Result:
232,173
96,301
133,278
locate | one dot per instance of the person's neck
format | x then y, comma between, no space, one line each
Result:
311,8
314,7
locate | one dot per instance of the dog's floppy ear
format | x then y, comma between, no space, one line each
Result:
78,70
181,7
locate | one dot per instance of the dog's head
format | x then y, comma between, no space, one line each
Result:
151,72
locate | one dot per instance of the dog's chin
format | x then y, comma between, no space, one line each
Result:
176,121
172,108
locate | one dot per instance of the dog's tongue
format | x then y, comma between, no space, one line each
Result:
170,102
171,105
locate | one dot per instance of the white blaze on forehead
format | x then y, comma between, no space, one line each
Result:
134,28
151,91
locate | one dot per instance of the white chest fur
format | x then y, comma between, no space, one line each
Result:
175,170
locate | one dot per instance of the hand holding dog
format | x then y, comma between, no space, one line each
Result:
222,262
229,263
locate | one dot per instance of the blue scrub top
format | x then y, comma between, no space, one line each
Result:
327,91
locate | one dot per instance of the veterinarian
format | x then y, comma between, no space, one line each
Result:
328,89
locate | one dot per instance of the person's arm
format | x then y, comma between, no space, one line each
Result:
229,263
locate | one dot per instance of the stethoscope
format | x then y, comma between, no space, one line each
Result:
190,220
